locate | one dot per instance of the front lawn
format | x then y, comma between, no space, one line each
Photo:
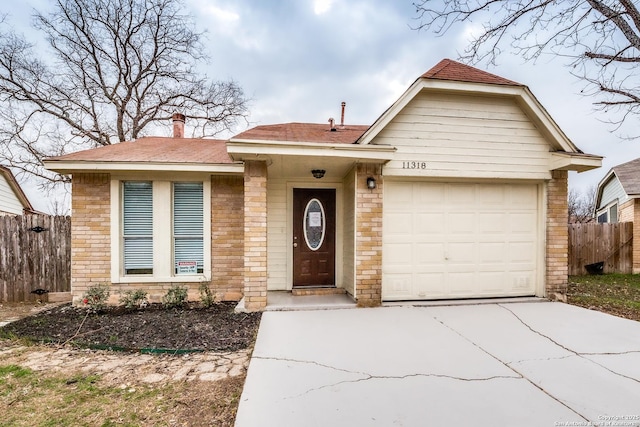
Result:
617,294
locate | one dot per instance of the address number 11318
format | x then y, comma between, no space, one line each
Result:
414,165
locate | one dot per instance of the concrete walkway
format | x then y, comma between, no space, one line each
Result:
516,364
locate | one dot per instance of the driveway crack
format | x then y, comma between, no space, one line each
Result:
511,367
369,377
581,355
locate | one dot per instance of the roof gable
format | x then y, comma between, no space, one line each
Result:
452,70
453,77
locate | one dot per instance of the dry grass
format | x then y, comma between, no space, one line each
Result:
29,398
617,294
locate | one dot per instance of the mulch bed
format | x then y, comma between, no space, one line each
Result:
152,329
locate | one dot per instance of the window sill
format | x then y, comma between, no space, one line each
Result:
196,278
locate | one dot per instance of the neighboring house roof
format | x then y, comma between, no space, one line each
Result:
17,190
629,176
157,150
452,70
304,132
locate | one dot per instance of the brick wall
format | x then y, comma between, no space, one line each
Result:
255,235
227,236
90,232
557,236
368,236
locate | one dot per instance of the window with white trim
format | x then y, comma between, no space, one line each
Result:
137,227
188,219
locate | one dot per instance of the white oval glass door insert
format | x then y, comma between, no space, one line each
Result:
314,224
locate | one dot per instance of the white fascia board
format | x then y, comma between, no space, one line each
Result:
68,167
602,183
238,149
574,161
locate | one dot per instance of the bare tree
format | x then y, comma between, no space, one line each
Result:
601,38
582,205
113,70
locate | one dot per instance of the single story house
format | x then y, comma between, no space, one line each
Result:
13,201
458,190
618,200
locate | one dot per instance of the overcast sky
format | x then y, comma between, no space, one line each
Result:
298,59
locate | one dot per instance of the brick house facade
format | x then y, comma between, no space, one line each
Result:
419,205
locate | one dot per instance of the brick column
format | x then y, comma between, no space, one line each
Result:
227,237
255,235
90,233
557,236
368,291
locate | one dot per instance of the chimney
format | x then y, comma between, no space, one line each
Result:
332,123
344,104
178,125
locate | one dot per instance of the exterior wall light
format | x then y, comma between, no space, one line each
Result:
371,183
318,173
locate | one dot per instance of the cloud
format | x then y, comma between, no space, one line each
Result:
322,6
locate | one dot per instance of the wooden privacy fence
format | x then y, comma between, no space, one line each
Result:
608,243
35,253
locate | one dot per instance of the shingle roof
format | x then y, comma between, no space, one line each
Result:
629,176
156,149
452,70
303,132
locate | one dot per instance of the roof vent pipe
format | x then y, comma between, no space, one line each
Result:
344,104
332,123
178,125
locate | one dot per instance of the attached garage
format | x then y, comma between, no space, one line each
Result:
461,240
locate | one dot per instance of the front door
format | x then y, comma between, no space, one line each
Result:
314,236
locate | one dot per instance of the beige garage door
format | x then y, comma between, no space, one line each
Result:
444,240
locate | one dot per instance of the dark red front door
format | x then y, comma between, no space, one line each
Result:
314,236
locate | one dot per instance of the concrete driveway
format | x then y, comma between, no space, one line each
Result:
511,364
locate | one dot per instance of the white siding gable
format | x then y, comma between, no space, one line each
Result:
611,192
9,202
472,136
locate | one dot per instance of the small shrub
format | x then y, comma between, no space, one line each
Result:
134,299
96,298
175,297
206,296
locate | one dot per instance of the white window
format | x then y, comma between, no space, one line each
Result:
188,221
613,214
137,227
160,228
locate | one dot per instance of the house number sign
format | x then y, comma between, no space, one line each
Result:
414,165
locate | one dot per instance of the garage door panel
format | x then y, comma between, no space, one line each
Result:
522,222
461,252
491,222
398,285
429,223
399,255
430,285
492,252
399,223
443,240
428,253
520,252
461,223
460,194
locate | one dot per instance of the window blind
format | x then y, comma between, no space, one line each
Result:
188,220
138,227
